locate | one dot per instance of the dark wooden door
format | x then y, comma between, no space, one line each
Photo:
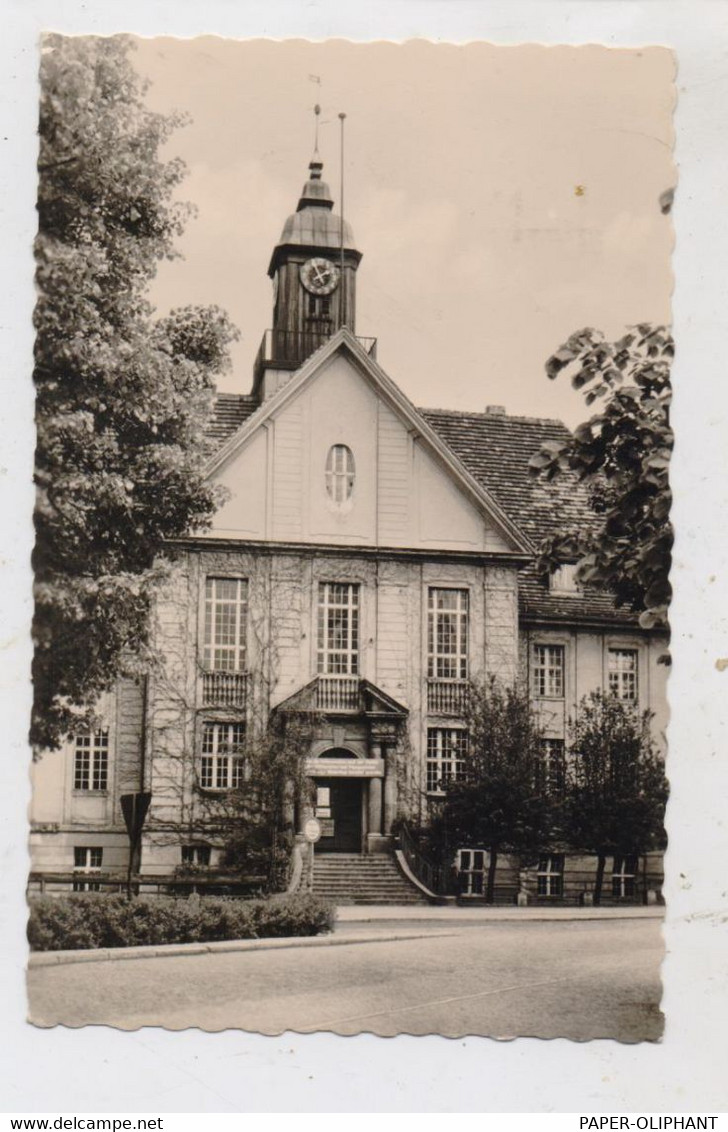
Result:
342,829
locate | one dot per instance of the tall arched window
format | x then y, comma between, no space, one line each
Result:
340,473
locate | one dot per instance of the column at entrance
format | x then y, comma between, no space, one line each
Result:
382,791
375,806
375,841
390,793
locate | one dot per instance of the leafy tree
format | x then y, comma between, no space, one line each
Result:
622,454
499,800
616,787
254,824
122,397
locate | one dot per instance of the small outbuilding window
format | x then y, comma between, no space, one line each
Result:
340,473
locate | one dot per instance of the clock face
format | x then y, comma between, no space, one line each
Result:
319,276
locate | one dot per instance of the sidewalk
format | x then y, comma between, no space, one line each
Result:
176,950
454,914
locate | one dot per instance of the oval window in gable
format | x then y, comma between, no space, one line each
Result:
340,473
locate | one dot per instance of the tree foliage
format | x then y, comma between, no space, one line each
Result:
122,396
622,454
616,786
254,824
498,802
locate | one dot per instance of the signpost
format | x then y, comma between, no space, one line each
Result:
312,833
312,830
134,809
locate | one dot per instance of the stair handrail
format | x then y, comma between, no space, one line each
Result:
433,876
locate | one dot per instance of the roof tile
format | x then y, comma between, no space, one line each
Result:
230,411
496,449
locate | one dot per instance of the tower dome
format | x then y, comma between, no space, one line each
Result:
313,269
314,224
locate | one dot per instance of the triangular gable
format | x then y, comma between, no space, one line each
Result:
372,701
345,344
377,702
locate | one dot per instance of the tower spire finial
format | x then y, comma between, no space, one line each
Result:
317,111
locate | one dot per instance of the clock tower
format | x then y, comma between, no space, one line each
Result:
313,268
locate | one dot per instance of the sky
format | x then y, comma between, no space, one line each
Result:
502,197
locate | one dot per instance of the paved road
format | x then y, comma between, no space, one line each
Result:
572,979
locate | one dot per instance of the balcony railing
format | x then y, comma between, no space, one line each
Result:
288,349
225,689
337,693
447,697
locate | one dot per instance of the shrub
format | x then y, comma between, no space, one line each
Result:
99,920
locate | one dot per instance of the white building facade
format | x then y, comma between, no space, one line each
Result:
369,561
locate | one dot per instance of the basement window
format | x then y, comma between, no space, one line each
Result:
471,866
550,875
624,875
87,859
196,855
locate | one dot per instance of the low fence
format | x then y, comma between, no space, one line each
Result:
217,884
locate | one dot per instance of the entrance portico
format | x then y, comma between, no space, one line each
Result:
352,764
348,800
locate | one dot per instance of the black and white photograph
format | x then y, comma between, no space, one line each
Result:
352,537
363,654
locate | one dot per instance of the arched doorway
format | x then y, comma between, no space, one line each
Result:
339,806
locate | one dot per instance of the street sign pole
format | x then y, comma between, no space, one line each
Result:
312,833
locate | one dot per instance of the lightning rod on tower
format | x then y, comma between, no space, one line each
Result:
342,307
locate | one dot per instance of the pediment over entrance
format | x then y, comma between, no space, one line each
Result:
347,696
379,703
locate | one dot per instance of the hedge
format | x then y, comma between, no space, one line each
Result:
88,920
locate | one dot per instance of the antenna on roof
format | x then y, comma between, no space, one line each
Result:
342,307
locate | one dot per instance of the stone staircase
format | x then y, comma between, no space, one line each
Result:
350,878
